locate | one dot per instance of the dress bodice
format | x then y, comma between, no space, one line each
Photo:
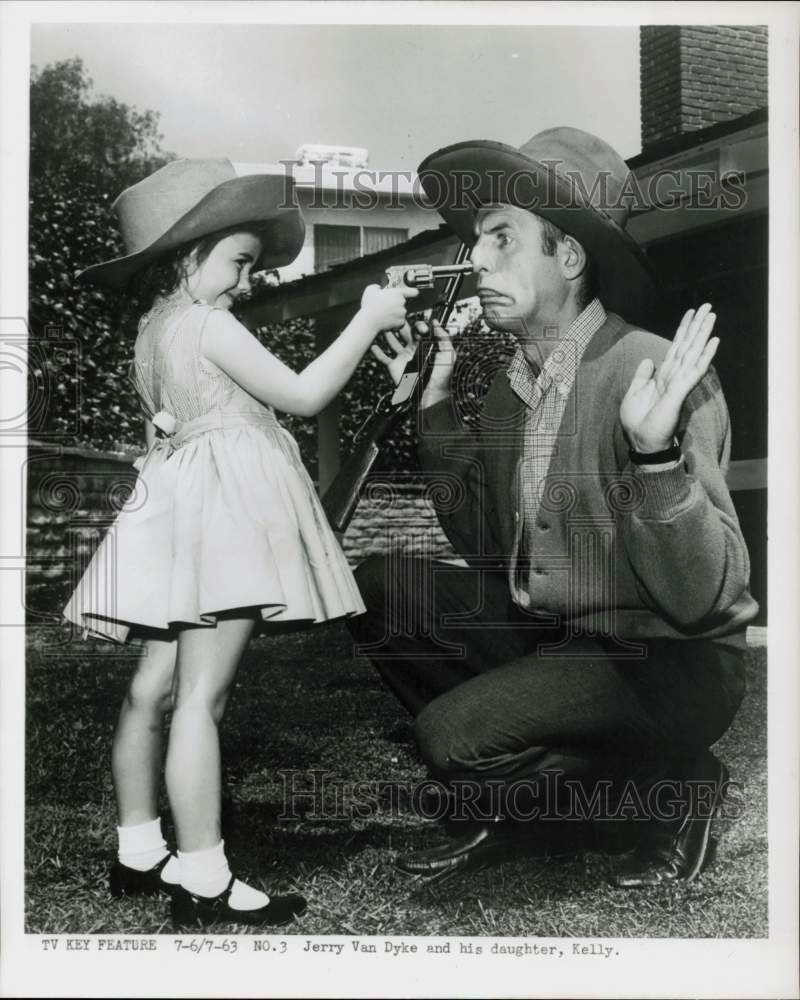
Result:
170,373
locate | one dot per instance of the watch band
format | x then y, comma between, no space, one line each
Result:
671,454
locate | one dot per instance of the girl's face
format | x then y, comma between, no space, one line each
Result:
225,273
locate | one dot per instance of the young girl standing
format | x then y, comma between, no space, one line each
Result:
224,530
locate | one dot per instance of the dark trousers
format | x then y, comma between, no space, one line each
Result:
500,697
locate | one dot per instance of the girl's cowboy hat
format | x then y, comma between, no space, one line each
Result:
188,199
569,177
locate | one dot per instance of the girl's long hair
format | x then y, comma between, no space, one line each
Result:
164,275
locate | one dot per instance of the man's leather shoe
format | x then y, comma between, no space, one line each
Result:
677,850
190,912
125,881
484,845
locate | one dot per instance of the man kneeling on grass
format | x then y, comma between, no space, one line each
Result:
592,651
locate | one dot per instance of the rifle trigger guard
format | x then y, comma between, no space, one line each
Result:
382,406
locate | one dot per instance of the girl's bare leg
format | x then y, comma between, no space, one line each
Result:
204,673
205,669
137,747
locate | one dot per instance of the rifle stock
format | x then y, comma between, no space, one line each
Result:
341,497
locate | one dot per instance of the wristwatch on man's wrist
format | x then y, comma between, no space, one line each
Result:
671,454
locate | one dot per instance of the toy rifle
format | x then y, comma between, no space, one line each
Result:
342,495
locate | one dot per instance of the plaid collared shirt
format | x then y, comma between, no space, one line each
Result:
545,395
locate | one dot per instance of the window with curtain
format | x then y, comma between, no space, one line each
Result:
382,237
335,245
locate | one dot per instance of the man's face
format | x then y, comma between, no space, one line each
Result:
520,287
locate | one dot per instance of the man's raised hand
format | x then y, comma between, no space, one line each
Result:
650,411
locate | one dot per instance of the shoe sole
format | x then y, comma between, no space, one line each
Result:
184,927
482,860
710,843
198,921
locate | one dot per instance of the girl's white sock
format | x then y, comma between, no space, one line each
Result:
206,873
142,847
245,897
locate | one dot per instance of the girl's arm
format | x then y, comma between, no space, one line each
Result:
149,438
231,347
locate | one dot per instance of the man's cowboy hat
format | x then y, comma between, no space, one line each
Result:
188,199
569,177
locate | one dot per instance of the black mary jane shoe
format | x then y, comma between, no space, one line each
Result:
125,881
191,912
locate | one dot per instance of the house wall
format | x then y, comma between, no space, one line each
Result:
328,208
727,266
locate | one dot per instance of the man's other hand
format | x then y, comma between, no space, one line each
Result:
397,350
438,386
650,411
399,346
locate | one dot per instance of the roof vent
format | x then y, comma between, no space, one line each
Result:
337,156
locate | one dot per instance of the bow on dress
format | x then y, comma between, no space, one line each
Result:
166,426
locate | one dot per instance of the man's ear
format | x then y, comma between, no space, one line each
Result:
573,258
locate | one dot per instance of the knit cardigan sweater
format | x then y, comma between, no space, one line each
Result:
618,551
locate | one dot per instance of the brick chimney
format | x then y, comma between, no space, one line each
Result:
693,76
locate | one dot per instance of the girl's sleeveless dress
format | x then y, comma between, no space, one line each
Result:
224,514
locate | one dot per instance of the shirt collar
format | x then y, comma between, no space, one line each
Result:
561,366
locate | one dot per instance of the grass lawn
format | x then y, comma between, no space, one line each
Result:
302,703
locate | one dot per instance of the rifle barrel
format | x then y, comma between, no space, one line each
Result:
341,498
460,266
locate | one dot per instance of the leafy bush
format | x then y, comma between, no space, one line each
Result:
84,152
